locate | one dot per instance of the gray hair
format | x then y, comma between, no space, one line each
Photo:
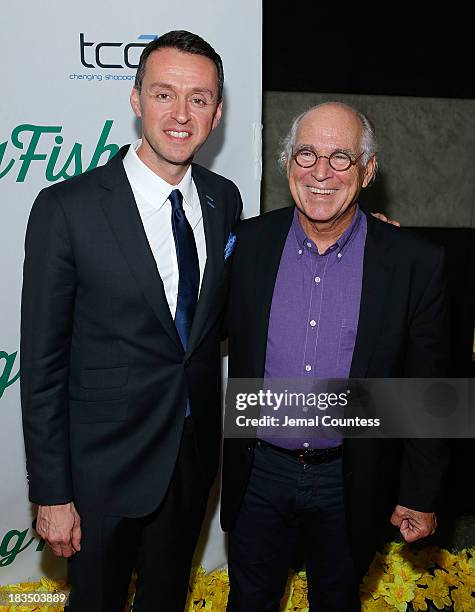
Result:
368,138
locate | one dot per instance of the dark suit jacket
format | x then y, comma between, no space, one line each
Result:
104,377
401,333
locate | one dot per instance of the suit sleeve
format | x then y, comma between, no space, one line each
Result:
425,461
48,295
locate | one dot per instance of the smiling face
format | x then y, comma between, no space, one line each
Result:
178,107
326,198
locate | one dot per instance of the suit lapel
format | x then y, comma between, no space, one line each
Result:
122,214
214,229
271,244
377,278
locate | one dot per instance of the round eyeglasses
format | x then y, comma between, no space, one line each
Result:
338,160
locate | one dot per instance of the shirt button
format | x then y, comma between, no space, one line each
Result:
300,251
339,255
305,444
317,279
313,322
309,244
308,367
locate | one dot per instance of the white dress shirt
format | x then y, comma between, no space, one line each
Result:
151,195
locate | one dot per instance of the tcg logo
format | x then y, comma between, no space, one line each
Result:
122,55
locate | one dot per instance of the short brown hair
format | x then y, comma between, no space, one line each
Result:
186,42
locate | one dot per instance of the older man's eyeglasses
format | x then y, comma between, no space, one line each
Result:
338,160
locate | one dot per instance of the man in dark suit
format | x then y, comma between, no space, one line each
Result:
323,290
120,357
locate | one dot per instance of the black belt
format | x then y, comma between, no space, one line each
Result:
313,456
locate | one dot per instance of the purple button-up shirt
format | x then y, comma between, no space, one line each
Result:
314,315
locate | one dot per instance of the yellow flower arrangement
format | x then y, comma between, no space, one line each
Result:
420,579
45,586
400,578
399,592
463,599
438,591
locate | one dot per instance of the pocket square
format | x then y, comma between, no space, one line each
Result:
230,245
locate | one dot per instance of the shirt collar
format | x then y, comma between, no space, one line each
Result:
303,240
152,187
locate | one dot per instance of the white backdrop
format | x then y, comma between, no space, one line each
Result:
65,108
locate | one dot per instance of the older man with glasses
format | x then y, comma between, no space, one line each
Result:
322,290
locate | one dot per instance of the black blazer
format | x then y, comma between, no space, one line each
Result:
104,377
401,333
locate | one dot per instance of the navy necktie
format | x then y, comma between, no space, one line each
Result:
188,268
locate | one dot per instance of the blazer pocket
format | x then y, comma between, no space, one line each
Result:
104,378
111,411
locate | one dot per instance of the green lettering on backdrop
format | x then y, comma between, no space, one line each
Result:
27,136
8,553
31,155
5,171
75,156
5,373
101,146
40,546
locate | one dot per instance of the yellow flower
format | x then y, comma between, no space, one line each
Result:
375,605
406,570
463,600
52,585
443,558
222,576
425,579
295,597
44,585
220,599
394,547
394,579
218,590
199,591
395,550
449,578
438,591
466,571
419,602
375,585
399,593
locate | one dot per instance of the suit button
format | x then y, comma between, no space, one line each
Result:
187,363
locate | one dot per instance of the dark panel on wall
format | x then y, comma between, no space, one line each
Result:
459,244
361,50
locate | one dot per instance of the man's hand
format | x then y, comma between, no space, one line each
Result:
60,527
382,217
413,524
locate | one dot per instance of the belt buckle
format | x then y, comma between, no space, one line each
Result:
303,455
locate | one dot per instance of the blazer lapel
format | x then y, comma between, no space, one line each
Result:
214,229
377,277
121,211
267,266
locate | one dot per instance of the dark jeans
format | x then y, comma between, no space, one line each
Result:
284,501
159,546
